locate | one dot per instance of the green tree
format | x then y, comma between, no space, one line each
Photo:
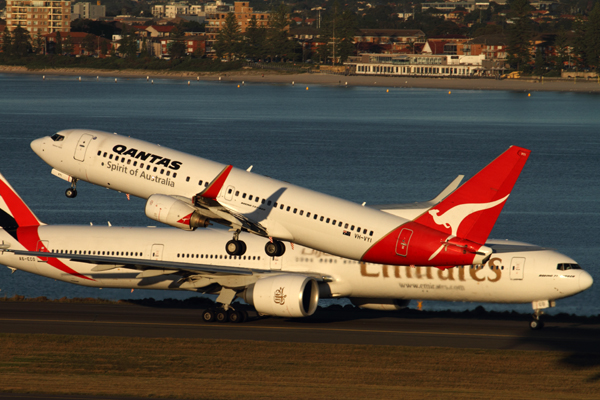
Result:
89,43
128,43
561,49
58,48
278,42
21,42
338,32
254,40
539,67
228,41
592,38
6,42
520,34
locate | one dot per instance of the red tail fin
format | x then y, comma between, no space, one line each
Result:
471,211
13,211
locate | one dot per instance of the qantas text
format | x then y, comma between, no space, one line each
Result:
149,157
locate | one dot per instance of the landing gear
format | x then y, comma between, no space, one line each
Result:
235,247
536,323
275,248
221,315
72,191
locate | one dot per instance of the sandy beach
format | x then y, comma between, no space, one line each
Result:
275,77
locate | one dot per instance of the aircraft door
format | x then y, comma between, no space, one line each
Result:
403,241
229,193
517,268
157,252
82,146
276,263
42,245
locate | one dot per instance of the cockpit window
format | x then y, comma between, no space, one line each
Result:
566,267
57,138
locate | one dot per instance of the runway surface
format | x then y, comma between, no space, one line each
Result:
327,327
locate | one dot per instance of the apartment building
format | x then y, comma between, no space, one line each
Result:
216,13
88,11
39,17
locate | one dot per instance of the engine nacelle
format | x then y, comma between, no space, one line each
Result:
380,304
284,295
174,212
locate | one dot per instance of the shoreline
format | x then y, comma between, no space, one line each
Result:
277,77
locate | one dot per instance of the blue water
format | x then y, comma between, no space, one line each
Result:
359,143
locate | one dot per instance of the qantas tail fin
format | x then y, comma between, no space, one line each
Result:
471,211
13,210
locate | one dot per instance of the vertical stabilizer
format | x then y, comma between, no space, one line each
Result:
471,211
13,210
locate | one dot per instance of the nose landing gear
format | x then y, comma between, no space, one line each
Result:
72,191
536,323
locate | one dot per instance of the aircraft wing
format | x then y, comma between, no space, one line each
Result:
411,211
106,263
207,203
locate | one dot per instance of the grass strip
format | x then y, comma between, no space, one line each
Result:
224,369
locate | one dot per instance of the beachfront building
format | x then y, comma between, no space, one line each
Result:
39,17
389,40
416,65
217,12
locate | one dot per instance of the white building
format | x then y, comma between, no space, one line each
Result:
88,11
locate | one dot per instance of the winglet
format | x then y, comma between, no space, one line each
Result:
471,211
212,191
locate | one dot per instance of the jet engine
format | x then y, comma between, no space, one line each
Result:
380,304
174,212
285,295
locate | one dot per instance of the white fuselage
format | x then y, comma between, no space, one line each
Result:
516,273
286,212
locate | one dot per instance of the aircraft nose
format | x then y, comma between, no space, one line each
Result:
37,146
585,280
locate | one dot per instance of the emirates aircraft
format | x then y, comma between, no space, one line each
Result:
188,192
287,286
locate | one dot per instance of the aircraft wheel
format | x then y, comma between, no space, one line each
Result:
235,316
275,249
536,324
208,315
71,193
221,316
235,247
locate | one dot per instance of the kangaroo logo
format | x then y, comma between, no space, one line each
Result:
452,218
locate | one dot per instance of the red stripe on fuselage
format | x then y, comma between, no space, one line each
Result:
423,243
29,237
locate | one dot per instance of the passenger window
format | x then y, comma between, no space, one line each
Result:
301,212
110,157
99,152
257,199
250,197
295,210
340,224
308,214
322,218
269,202
288,208
129,161
155,169
122,159
148,167
346,226
358,230
333,222
281,207
244,196
316,216
168,173
142,165
229,191
327,220
162,171
205,184
186,179
263,201
352,228
237,193
104,155
275,204
371,233
135,163
199,183
174,174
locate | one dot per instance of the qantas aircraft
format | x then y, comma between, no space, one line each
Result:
287,286
187,192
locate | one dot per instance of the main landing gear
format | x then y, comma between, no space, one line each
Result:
222,315
276,248
72,191
235,247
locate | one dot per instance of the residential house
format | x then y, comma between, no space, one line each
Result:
39,17
388,40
